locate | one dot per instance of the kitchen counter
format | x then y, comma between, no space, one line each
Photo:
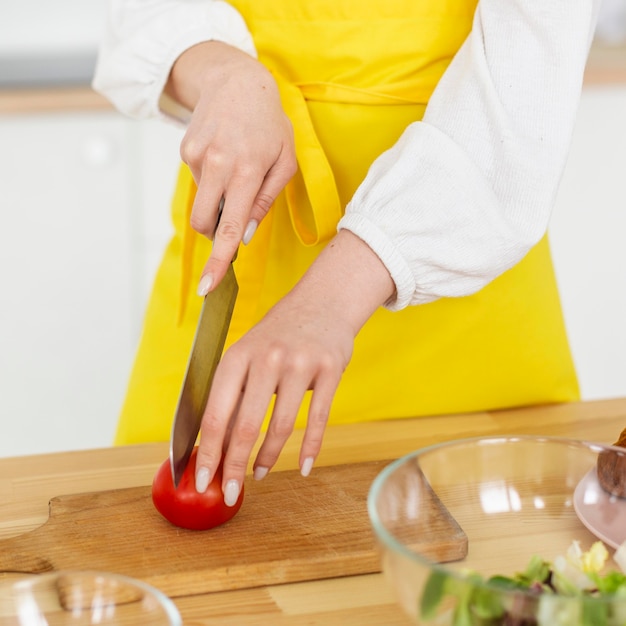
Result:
606,66
28,483
50,99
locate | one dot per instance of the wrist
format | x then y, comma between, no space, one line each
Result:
349,279
204,66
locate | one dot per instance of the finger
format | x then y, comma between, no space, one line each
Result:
230,425
289,397
207,166
275,180
220,175
245,432
319,411
229,234
221,406
225,246
206,206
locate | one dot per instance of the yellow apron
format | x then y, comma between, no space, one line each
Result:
352,76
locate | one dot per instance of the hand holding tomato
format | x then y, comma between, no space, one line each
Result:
184,506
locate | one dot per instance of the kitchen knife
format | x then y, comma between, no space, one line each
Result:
208,344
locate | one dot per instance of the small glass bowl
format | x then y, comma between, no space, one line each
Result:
82,598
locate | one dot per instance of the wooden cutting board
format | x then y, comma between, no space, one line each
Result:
289,529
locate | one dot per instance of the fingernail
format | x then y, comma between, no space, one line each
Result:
307,466
205,284
202,479
260,472
231,493
249,232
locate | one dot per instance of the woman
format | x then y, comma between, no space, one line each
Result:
396,246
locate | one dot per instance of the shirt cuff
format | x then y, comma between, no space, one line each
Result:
135,59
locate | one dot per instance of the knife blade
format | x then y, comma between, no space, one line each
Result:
208,344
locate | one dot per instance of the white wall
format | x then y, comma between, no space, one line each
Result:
84,217
30,26
588,232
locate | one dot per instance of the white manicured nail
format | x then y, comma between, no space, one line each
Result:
231,493
307,466
249,232
202,479
260,472
205,284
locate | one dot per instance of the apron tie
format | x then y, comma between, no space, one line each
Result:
185,196
315,213
312,196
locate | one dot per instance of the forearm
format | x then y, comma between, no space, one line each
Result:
468,191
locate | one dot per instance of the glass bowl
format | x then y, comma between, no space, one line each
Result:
450,516
76,598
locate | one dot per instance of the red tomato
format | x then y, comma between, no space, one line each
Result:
184,506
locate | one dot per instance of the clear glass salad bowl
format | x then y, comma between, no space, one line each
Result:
495,531
83,598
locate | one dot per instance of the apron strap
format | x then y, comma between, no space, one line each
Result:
316,212
184,198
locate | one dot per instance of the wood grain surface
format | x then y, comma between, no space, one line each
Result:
28,483
289,529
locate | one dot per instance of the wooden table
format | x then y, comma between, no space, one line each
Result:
27,484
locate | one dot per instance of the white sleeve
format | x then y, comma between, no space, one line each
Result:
142,40
466,192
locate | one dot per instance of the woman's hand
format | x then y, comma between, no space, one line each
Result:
238,145
304,342
297,346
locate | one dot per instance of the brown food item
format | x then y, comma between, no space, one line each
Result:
612,469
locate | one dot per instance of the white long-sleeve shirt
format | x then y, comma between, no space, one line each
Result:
464,193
